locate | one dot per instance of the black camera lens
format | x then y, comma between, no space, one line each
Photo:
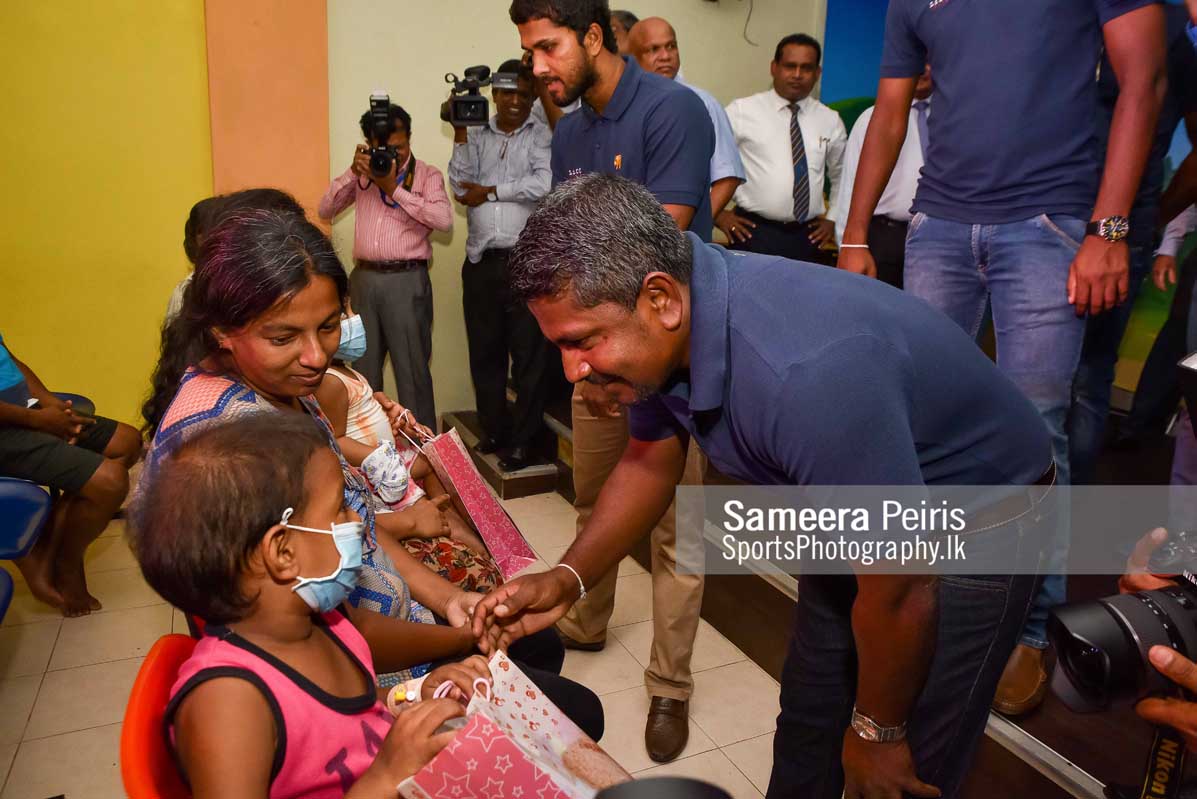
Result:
1103,645
381,161
1088,666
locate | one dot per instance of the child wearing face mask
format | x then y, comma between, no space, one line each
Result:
245,526
397,471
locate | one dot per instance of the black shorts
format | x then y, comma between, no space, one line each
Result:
48,460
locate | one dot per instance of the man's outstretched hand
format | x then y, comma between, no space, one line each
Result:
523,606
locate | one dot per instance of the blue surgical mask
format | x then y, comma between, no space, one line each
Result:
327,593
353,339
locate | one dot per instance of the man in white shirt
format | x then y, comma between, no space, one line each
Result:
790,143
653,43
887,229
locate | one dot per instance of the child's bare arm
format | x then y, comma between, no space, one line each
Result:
396,644
355,451
334,401
225,737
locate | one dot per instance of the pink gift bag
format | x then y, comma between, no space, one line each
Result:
456,470
515,743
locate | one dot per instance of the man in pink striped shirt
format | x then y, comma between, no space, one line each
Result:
396,213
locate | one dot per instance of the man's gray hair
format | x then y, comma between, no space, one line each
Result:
599,236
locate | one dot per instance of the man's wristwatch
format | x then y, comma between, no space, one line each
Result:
492,197
1112,228
873,732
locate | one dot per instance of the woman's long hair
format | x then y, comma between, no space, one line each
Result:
253,259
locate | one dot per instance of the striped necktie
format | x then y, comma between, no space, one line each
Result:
801,171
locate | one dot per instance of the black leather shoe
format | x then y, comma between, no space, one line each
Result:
571,643
488,445
515,459
668,728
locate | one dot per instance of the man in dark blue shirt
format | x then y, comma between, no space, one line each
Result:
789,374
1103,335
1013,210
652,130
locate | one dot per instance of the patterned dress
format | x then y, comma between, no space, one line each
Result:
205,400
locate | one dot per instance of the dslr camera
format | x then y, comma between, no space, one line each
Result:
1102,646
382,157
467,107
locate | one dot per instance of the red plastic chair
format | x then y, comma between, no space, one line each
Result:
147,767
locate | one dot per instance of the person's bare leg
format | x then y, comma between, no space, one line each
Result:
461,532
84,517
38,566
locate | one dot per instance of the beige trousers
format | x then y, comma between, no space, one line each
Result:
677,598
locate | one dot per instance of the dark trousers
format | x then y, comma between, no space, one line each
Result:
496,330
979,623
787,239
396,311
1158,391
887,243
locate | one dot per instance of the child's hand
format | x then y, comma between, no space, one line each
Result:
462,674
413,741
428,519
459,610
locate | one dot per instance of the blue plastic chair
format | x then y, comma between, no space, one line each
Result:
24,508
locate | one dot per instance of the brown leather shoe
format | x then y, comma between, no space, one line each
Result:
668,728
581,646
1023,683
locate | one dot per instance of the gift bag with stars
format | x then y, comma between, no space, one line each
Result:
515,744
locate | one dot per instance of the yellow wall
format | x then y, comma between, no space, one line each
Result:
406,47
106,146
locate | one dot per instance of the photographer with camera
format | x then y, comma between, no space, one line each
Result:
400,200
499,171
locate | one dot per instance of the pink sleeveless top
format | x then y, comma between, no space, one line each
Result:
325,742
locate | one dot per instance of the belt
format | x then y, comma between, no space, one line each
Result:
393,266
889,221
794,227
1014,507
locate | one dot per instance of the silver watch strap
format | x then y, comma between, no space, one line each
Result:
871,731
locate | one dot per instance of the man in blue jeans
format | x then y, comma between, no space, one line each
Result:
1009,213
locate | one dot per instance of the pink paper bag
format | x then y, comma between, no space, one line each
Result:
456,470
515,744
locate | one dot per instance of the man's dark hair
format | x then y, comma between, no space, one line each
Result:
397,119
802,39
517,66
207,214
625,17
577,15
207,506
598,236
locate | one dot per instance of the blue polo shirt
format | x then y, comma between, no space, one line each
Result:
653,131
804,375
13,387
1014,129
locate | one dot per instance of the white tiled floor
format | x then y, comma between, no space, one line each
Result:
64,682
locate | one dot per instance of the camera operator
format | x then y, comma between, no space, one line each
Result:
1179,714
499,171
396,213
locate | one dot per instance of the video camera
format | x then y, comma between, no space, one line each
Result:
382,156
467,107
